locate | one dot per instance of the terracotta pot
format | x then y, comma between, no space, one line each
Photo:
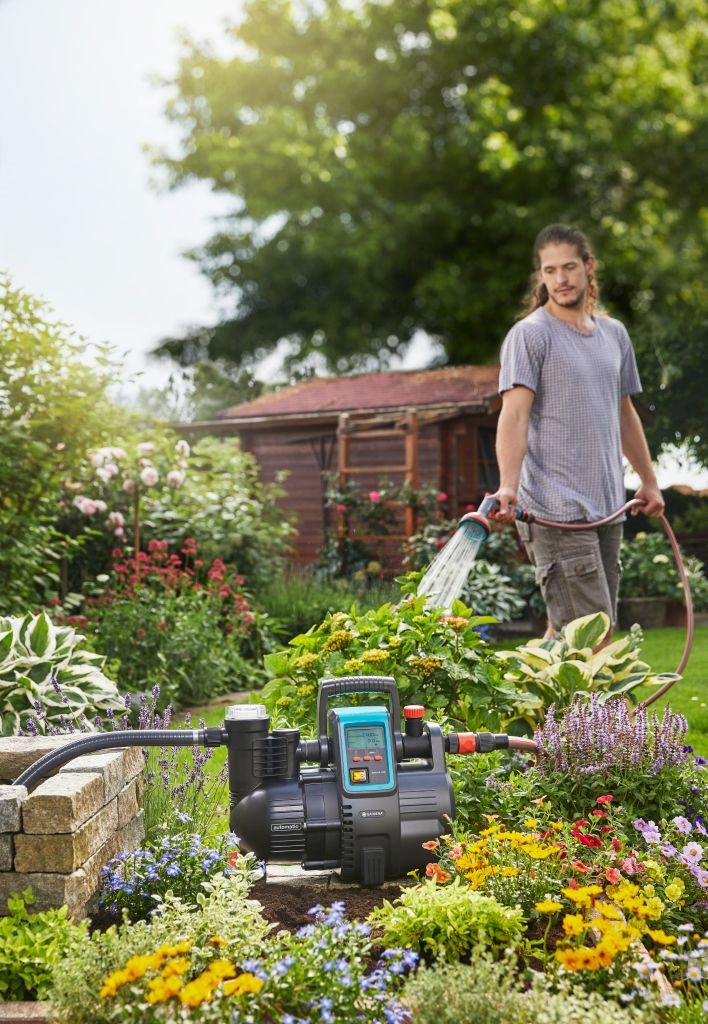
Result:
649,612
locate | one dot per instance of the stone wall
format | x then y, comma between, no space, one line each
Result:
57,838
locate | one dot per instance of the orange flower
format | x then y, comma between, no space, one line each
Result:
431,844
437,873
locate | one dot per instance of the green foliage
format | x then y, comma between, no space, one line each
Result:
36,658
31,946
555,670
222,910
419,211
447,921
53,405
299,597
648,567
436,659
486,992
189,631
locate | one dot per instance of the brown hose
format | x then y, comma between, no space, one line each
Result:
636,502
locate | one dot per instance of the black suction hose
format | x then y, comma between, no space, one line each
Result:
211,737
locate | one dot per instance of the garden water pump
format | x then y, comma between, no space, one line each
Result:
363,797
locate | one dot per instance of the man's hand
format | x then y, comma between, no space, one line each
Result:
506,513
653,501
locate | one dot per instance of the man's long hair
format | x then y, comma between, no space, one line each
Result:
559,234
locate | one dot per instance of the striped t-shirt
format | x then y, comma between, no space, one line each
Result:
573,466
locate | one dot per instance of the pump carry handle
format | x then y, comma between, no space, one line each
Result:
356,684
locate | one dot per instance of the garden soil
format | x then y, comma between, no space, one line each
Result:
286,906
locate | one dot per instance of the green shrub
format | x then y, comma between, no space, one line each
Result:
43,664
192,633
298,598
436,659
447,920
486,992
31,946
221,922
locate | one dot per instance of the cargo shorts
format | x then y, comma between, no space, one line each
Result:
578,571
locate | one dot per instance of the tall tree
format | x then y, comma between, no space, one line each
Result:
389,163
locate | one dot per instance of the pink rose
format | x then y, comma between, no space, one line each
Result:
175,478
182,448
442,496
374,496
341,508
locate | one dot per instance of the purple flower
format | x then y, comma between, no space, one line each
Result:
682,824
668,850
691,853
650,833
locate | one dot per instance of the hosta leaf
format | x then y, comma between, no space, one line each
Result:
40,636
587,631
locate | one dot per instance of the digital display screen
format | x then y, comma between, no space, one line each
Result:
366,737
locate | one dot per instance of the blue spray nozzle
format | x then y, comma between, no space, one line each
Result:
475,526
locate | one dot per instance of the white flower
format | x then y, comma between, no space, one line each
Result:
100,505
128,485
119,533
660,559
106,472
116,519
175,478
146,448
182,448
149,476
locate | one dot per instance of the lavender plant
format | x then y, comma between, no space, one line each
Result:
597,747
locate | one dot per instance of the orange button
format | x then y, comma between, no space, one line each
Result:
378,757
366,757
356,759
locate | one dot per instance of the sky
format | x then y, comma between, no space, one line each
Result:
81,226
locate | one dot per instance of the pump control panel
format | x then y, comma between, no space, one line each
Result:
364,748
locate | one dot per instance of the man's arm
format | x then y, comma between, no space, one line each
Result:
636,449
512,441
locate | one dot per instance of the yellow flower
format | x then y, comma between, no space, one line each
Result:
175,967
608,910
655,908
548,906
582,895
243,984
573,924
674,890
306,660
530,823
537,851
556,825
216,940
660,936
160,989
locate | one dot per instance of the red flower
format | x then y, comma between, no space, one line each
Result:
599,814
617,845
233,858
591,841
606,799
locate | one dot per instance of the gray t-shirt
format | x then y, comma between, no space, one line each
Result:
573,466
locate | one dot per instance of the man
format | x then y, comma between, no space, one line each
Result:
567,373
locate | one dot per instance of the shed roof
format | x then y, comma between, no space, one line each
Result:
370,392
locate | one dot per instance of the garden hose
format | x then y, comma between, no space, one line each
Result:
210,737
490,503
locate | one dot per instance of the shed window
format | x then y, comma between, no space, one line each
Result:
488,470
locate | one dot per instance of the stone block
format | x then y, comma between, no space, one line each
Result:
78,889
62,803
116,767
24,1013
129,801
66,851
6,851
11,800
18,752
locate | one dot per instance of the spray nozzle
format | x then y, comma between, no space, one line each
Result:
476,524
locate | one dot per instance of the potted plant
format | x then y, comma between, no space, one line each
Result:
649,581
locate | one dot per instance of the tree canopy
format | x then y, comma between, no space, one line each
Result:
387,164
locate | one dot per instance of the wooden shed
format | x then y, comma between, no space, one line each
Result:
434,427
